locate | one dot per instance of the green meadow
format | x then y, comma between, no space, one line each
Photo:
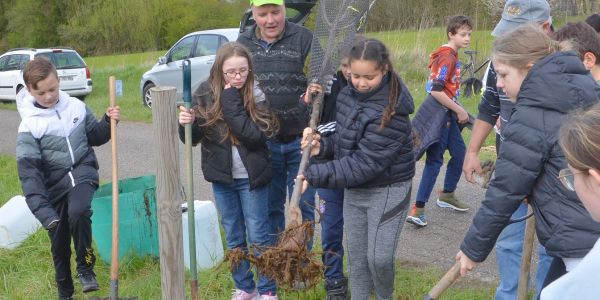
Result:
27,272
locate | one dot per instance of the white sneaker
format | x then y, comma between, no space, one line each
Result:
242,295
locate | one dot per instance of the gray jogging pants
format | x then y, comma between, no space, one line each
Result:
373,220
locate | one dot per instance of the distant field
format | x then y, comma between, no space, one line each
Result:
410,52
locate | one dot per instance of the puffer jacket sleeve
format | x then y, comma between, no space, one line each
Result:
29,165
522,158
376,151
326,146
236,117
197,131
97,131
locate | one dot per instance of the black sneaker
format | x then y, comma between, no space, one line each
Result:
337,289
88,282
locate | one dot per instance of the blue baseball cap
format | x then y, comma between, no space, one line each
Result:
519,12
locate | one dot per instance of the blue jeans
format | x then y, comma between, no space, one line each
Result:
508,257
285,159
452,140
244,219
332,231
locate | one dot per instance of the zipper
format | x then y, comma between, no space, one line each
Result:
266,49
72,179
70,152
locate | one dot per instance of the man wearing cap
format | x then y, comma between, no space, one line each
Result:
279,50
495,109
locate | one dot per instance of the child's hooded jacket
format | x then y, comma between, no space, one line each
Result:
54,150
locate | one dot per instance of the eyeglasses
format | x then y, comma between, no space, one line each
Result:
567,178
234,74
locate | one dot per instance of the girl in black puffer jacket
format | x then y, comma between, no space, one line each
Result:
232,124
370,156
546,84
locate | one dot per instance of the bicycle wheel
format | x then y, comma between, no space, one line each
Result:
471,86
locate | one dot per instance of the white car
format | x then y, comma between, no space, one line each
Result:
74,75
199,47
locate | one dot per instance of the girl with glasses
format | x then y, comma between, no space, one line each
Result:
580,141
232,122
545,83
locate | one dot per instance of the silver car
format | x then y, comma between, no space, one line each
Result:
199,47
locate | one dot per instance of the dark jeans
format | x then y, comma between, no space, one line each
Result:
75,215
286,161
332,231
452,140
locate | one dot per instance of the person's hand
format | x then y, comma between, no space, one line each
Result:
302,180
227,85
312,88
466,264
186,116
462,115
470,165
498,124
316,141
114,112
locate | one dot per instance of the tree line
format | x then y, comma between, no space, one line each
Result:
95,27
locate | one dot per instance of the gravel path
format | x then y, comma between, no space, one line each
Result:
436,244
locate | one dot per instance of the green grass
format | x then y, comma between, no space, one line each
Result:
410,51
128,68
27,272
9,181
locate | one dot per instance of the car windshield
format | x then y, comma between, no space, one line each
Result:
64,60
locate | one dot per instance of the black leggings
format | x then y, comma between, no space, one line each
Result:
556,270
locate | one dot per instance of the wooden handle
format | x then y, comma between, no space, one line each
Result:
114,266
526,257
447,280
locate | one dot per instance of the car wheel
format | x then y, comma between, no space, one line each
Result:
147,98
19,88
82,98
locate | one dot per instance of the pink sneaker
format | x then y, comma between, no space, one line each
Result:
267,297
241,295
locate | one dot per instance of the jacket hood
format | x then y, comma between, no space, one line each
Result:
26,104
443,50
380,95
559,82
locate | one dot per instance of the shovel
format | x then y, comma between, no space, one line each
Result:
526,256
114,263
447,280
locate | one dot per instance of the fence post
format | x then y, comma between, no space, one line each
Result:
168,193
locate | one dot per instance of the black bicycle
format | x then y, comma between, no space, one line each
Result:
471,85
